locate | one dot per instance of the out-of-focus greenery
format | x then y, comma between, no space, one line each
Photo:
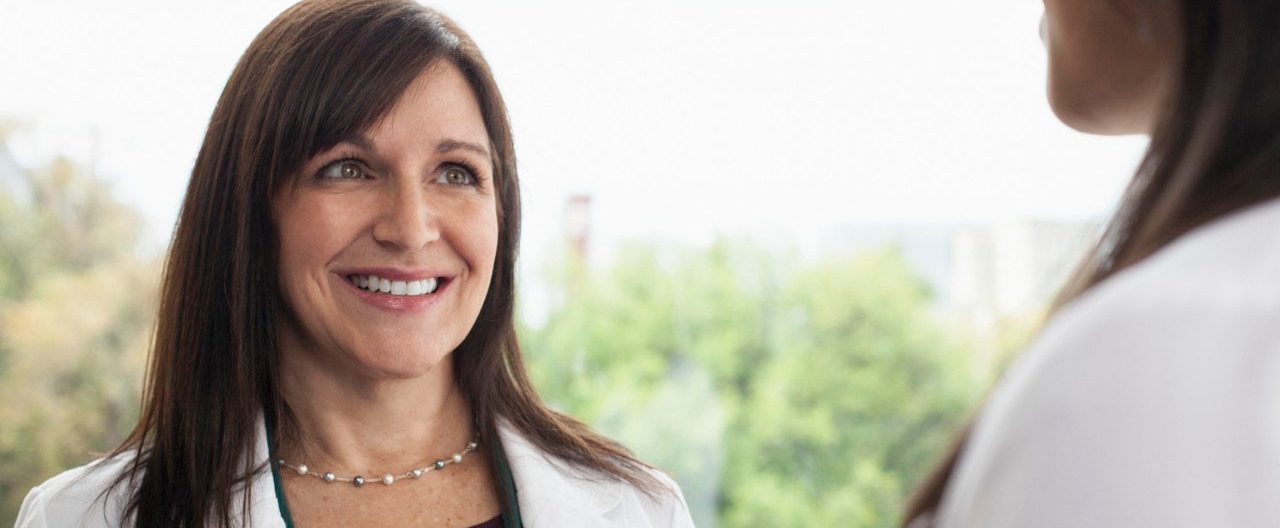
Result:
778,392
76,305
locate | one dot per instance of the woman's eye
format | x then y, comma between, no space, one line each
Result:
455,175
343,170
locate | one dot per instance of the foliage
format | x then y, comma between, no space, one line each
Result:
76,304
776,393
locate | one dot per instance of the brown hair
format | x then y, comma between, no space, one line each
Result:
320,72
1215,150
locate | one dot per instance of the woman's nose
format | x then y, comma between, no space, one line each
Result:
408,221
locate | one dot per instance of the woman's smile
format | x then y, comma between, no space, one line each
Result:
397,291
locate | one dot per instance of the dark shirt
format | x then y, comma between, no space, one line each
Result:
495,522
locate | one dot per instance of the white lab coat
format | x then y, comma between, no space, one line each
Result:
551,494
1152,400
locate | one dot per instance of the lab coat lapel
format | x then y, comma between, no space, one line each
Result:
265,511
553,494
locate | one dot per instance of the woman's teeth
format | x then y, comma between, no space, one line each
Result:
375,283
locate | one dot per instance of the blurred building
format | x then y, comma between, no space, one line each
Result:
577,229
980,274
1015,268
14,181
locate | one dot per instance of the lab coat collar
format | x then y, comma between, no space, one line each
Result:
550,492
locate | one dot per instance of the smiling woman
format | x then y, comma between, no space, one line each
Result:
337,309
388,240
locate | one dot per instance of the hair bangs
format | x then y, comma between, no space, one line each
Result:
344,82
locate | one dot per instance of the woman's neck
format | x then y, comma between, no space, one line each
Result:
349,424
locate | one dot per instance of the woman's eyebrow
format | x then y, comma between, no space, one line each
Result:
446,146
359,140
450,145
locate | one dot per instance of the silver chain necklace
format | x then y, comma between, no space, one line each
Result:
388,479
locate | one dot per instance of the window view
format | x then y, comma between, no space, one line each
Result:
779,252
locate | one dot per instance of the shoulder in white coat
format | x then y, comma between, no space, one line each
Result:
77,497
1153,400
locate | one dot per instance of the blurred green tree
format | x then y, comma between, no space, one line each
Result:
863,393
776,394
76,305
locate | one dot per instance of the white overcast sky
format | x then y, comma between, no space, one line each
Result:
681,118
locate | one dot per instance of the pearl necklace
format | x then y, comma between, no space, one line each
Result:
388,479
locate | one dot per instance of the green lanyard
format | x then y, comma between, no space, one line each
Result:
510,519
275,473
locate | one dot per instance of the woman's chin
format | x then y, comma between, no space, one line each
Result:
1097,118
399,365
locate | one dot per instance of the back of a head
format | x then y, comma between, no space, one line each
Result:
1214,151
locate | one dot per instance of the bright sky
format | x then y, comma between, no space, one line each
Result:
682,119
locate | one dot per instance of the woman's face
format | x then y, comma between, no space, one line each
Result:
387,240
1111,62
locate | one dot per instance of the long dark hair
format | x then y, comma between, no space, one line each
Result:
321,71
1215,150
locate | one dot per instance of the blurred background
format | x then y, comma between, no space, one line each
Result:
777,250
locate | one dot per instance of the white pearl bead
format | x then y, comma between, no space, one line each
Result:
302,469
328,477
388,479
417,473
457,458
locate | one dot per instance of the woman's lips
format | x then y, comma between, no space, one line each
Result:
402,295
